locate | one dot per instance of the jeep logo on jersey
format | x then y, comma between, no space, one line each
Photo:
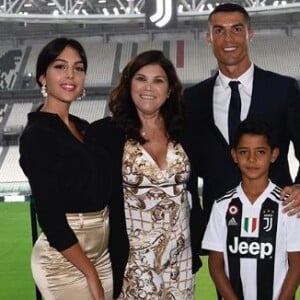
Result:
160,13
250,248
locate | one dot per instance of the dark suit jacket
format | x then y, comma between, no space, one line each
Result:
275,98
105,134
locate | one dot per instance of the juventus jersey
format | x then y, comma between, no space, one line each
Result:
255,239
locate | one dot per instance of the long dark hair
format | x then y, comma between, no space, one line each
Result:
123,109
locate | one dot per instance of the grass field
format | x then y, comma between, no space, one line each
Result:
15,247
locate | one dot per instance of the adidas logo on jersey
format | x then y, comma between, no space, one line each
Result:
232,222
251,249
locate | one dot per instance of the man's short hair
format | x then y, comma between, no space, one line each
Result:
231,7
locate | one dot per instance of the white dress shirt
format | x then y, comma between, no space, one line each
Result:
222,94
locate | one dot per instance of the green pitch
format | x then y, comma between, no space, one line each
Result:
15,248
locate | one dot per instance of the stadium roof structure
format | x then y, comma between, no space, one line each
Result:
21,19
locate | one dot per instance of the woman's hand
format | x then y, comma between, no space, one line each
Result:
95,287
78,258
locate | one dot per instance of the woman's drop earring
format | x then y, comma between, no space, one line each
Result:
83,93
44,90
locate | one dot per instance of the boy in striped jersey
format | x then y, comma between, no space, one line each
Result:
254,247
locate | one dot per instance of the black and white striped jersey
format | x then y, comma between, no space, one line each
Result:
255,239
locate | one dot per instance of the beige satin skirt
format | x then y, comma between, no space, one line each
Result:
59,279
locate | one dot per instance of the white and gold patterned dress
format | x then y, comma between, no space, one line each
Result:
157,209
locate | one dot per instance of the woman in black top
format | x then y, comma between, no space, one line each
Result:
70,259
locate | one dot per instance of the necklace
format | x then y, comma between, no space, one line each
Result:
150,130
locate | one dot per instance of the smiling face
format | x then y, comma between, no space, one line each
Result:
149,89
229,36
254,155
64,77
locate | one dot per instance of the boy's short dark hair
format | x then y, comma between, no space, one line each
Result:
231,7
256,127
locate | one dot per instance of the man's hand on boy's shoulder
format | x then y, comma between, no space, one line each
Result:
291,199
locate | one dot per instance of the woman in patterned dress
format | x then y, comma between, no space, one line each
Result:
155,214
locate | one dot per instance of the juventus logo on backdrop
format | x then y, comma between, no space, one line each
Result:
160,13
163,13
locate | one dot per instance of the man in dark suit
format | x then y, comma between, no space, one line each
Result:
266,95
